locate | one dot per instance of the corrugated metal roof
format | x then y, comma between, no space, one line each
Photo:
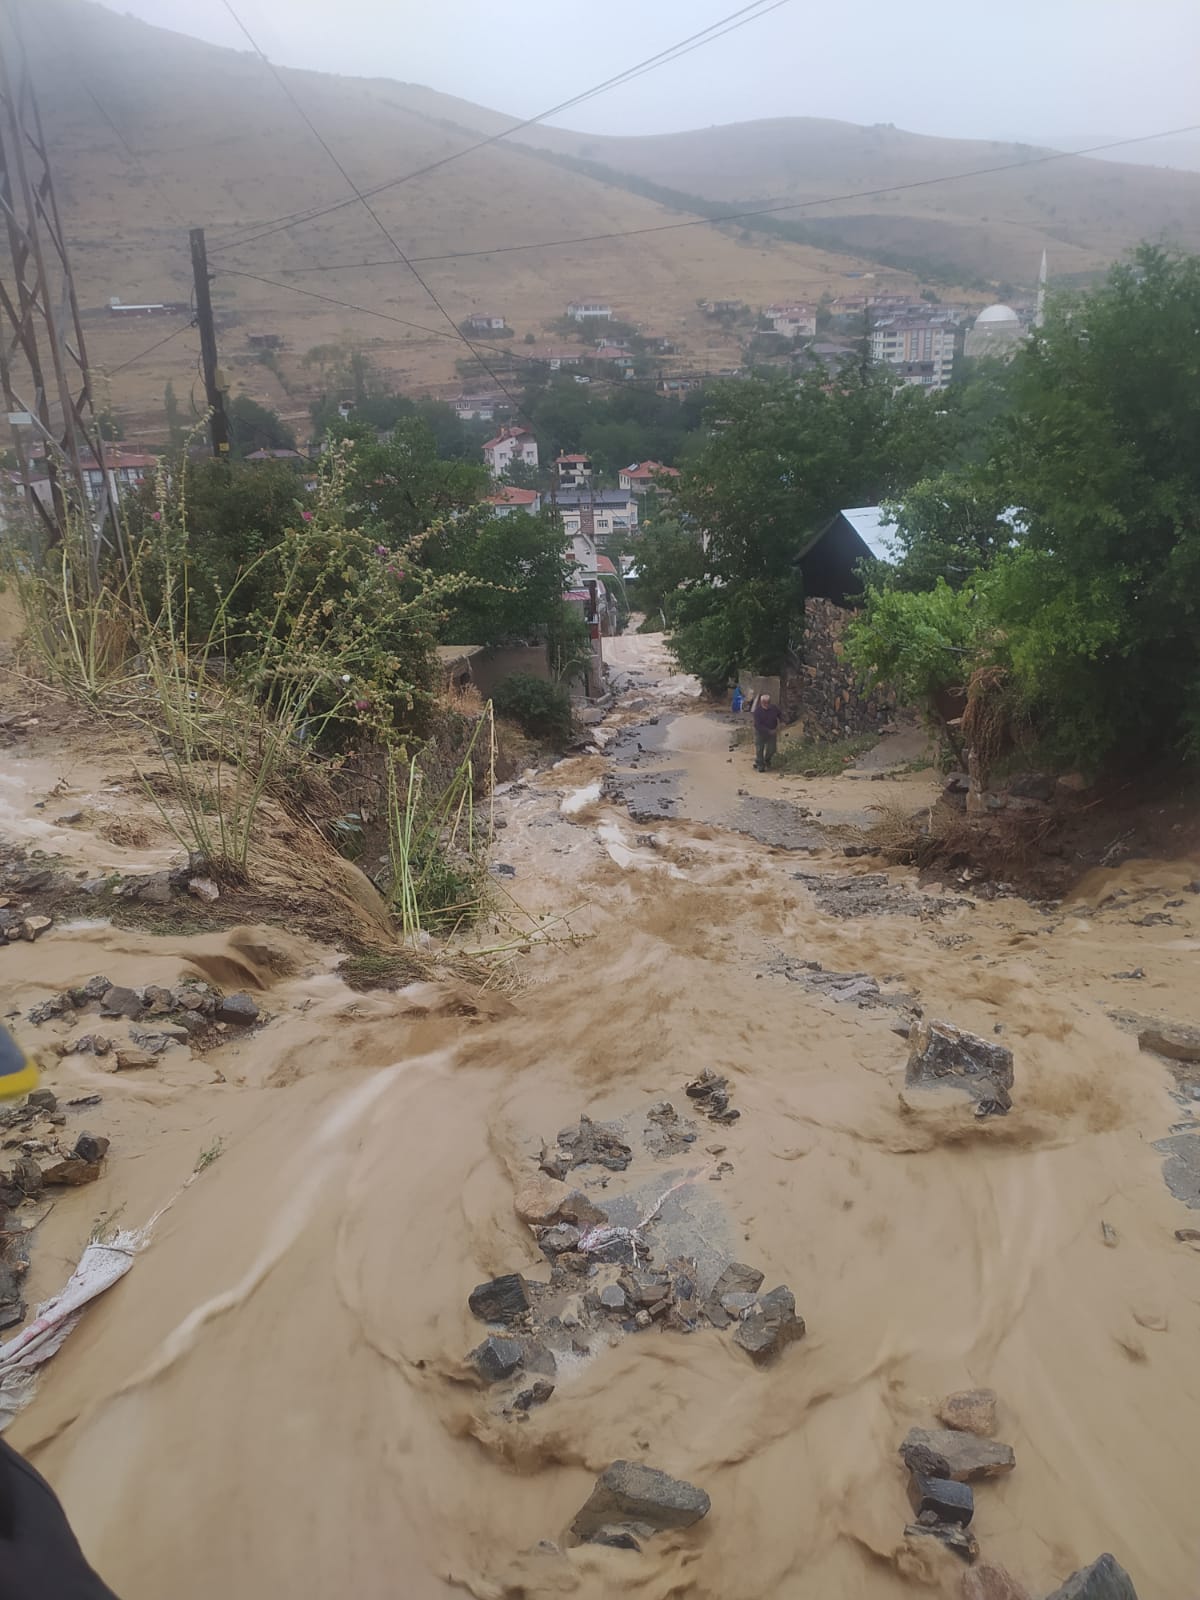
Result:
874,529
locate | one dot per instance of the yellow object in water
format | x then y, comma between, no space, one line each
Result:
18,1074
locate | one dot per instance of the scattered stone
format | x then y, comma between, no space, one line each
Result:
47,1010
1109,1234
736,1278
44,1099
503,1299
237,1008
538,1200
618,1538
536,1396
1133,973
643,1319
963,1456
774,1325
558,1240
629,1494
1171,1039
961,1540
496,1359
592,1144
1105,1579
1188,1235
71,1172
947,1500
94,989
69,819
943,1055
130,1057
120,1002
712,1090
33,927
969,1411
12,1306
988,1582
27,1176
84,1100
612,1297
203,889
91,1147
538,1357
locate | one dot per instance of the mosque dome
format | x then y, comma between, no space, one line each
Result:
997,315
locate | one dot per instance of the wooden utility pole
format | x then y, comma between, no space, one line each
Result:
218,421
44,374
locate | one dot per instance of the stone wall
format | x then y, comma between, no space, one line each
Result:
828,697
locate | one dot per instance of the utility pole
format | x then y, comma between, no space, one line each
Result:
218,421
44,373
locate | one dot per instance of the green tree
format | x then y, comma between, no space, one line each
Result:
949,527
669,557
176,432
256,427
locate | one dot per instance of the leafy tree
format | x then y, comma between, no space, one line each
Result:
520,569
669,558
256,427
949,527
176,432
540,709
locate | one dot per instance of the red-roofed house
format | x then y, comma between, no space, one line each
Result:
604,567
574,471
509,445
507,500
126,470
644,475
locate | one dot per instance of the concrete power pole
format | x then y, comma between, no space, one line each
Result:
218,421
43,360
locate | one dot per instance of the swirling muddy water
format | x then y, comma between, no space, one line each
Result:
275,1400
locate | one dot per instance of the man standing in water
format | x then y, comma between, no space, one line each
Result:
766,728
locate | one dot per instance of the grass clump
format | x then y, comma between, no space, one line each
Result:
822,758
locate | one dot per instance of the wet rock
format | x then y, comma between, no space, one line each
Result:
1105,1579
120,1002
711,1090
12,1306
71,1172
94,989
959,1539
645,1288
91,1147
203,889
131,1057
154,890
941,1055
560,1239
988,1582
239,1009
157,1000
612,1298
535,1396
496,1359
947,1500
1171,1039
763,1333
43,1099
969,1411
34,927
736,1304
194,997
538,1200
594,1143
503,1299
962,1456
538,1357
736,1278
27,1176
631,1494
617,1538
69,819
47,1010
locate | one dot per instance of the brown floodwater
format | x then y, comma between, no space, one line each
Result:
274,1401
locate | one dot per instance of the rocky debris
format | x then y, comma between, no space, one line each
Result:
962,1456
591,1144
47,1010
1105,1579
941,1055
33,927
987,1582
947,1500
536,1395
711,1091
239,1009
640,1501
130,1058
847,988
870,894
203,889
92,1147
955,1537
43,1100
12,1305
770,1326
667,1133
496,1359
612,1298
503,1299
1172,1039
121,1002
544,1200
559,1240
969,1411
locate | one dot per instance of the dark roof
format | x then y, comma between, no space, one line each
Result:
829,559
572,498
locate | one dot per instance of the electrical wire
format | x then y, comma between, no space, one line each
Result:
674,52
762,211
149,351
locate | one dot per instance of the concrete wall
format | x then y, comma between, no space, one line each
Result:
828,696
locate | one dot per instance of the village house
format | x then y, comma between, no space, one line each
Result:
554,356
478,407
485,322
643,476
848,305
610,513
573,471
722,308
793,320
675,388
620,359
274,455
508,499
509,445
151,308
920,349
621,346
127,470
590,311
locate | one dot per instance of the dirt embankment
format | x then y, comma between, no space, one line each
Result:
277,1398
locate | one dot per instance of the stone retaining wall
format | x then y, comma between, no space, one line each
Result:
829,698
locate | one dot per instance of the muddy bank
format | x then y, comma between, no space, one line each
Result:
278,1397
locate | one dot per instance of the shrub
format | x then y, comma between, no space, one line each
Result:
540,709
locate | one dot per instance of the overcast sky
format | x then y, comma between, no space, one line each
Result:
1066,70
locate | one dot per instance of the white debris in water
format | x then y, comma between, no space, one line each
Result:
613,841
576,800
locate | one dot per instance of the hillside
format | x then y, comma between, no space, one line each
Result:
992,227
152,132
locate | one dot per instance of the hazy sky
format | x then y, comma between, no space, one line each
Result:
1039,69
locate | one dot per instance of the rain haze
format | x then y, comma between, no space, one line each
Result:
1072,72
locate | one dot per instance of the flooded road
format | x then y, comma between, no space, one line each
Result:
276,1399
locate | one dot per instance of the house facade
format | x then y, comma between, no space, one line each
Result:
127,471
508,500
478,407
590,311
920,349
608,513
795,321
509,445
643,476
485,322
573,471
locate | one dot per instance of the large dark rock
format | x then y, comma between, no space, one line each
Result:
763,1333
629,1494
949,1501
964,1456
91,1147
1105,1579
503,1299
239,1009
1172,1039
943,1056
736,1278
119,1002
496,1359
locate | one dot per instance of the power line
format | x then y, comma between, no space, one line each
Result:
762,211
367,206
672,53
149,351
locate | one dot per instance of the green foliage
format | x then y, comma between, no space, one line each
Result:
176,432
256,427
823,757
669,557
949,527
540,709
920,643
614,425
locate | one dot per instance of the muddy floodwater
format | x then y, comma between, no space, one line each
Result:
276,1400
